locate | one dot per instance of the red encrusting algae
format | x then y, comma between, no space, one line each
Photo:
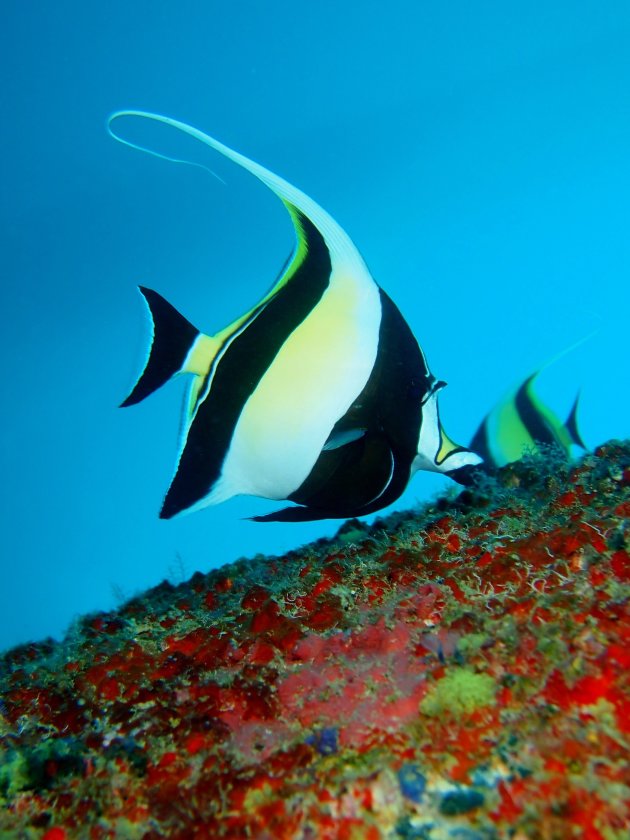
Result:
459,671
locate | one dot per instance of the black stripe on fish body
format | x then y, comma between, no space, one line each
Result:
533,421
306,234
480,443
373,470
347,478
239,370
207,379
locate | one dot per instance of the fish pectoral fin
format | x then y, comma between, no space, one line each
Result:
341,437
176,346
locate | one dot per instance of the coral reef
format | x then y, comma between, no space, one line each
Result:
460,671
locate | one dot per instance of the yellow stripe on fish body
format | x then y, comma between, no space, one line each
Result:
319,394
509,436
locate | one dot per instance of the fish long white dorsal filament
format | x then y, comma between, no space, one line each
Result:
334,235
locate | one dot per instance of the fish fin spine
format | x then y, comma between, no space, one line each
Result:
171,343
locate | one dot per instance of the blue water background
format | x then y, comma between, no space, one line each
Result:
478,154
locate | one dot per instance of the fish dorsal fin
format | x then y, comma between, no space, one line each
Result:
527,384
527,388
567,350
297,202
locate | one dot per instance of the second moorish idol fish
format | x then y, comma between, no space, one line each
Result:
319,394
519,423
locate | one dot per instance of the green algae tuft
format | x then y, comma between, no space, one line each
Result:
461,691
14,775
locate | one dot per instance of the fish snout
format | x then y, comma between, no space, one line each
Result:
467,474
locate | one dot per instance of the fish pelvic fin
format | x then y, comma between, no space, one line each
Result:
176,346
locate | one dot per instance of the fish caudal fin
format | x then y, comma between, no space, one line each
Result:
572,427
172,339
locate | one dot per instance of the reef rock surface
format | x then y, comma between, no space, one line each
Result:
460,671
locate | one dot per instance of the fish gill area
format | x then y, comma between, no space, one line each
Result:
457,671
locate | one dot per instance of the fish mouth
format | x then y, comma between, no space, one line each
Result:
467,474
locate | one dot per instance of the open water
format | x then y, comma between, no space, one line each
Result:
477,153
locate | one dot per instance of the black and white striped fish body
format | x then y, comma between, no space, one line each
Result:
319,395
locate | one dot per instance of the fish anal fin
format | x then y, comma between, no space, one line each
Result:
299,513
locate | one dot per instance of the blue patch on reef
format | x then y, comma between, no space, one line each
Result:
457,802
325,741
412,782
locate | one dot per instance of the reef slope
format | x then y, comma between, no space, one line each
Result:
460,671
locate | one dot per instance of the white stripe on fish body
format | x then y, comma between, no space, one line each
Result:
429,437
317,374
436,452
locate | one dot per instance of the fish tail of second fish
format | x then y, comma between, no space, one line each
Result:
176,346
571,425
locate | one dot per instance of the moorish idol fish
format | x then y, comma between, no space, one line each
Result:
319,394
519,423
